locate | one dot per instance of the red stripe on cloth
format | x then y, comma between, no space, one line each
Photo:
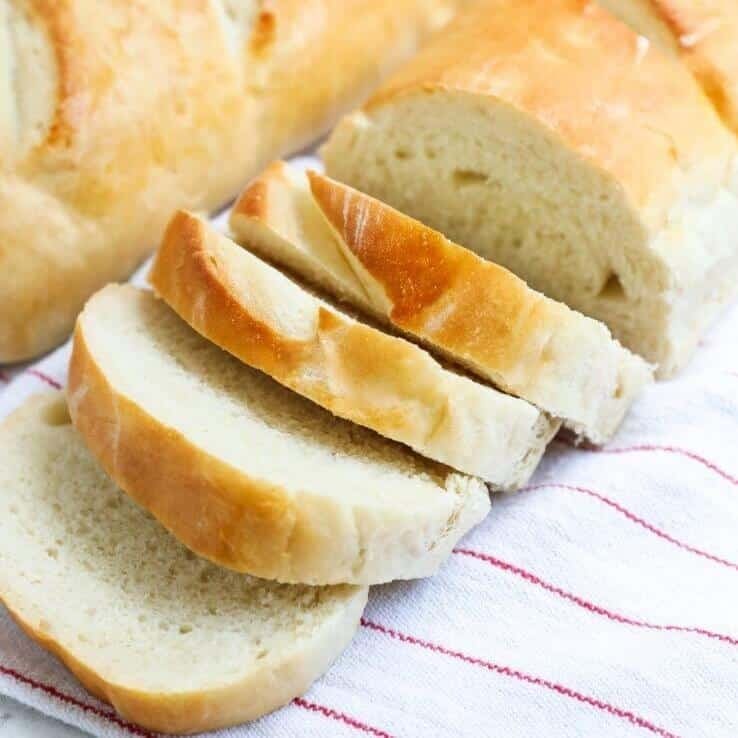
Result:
4,377
45,378
69,700
507,671
586,604
340,717
638,521
652,448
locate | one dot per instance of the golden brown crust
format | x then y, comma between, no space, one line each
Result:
337,355
358,372
492,319
706,35
621,104
187,275
147,131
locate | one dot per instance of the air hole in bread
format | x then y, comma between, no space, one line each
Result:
613,288
402,154
468,177
56,414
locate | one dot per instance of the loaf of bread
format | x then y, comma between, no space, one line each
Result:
245,472
113,113
703,33
173,642
356,371
572,151
471,310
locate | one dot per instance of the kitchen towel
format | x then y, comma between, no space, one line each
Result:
602,601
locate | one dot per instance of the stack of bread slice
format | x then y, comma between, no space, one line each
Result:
278,434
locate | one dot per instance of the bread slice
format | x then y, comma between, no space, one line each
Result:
574,153
245,472
357,372
472,310
704,35
173,642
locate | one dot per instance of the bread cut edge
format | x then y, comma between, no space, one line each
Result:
248,524
263,690
356,371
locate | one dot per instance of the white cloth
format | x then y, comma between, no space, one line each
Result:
601,602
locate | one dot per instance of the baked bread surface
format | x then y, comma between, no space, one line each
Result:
115,112
702,34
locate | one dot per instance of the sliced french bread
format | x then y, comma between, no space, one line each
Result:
473,311
173,642
571,151
245,472
358,372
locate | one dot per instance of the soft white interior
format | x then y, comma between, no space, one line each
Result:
82,563
491,179
245,418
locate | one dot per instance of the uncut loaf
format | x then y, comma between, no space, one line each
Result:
246,472
572,151
173,642
114,112
471,310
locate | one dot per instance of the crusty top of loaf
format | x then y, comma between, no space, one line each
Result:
612,96
706,35
110,117
115,112
143,48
